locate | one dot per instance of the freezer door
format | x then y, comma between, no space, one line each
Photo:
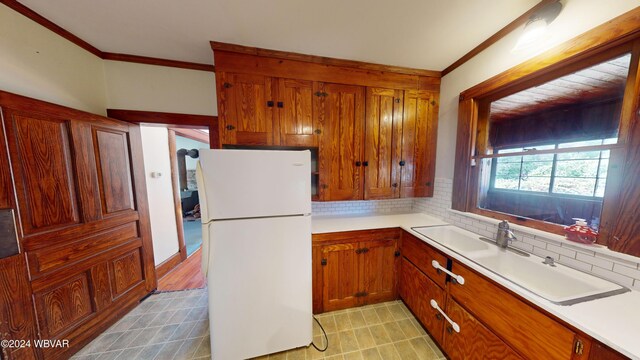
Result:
254,183
259,286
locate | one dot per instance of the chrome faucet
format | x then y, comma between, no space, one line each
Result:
504,235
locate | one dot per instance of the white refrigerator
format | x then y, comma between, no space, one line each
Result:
256,251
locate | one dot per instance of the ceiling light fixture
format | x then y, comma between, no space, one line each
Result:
536,27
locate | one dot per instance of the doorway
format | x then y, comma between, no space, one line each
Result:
187,153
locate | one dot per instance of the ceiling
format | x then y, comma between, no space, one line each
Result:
426,34
599,82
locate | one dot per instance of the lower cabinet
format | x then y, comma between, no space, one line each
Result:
418,290
363,267
474,340
354,268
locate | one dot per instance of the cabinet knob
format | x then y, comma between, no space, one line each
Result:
324,186
450,329
280,104
270,103
365,163
358,163
395,185
428,183
226,85
229,127
317,131
402,163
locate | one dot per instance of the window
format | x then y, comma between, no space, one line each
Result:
569,173
546,148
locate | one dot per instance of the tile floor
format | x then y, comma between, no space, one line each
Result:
171,325
385,331
174,325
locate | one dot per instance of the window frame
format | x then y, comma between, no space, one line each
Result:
593,47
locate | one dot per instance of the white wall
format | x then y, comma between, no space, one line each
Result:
576,17
158,88
38,63
155,147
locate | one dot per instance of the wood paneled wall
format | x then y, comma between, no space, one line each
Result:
83,223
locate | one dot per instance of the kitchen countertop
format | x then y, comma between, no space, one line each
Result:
614,321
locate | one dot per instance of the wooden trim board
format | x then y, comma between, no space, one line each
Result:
166,266
286,55
154,117
24,10
157,61
177,200
497,36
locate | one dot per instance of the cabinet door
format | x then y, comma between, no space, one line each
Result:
474,341
523,327
340,110
383,138
296,123
417,290
245,105
419,131
378,271
340,276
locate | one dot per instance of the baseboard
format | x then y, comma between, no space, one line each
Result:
164,267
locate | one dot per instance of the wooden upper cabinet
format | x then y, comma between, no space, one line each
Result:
382,144
296,123
419,132
340,110
274,98
245,107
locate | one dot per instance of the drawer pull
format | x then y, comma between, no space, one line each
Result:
458,278
454,325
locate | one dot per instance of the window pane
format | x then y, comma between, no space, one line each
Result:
604,167
580,143
610,141
577,168
507,175
579,155
574,186
537,168
605,154
535,183
510,159
600,188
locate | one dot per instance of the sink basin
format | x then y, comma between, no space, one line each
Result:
558,283
454,238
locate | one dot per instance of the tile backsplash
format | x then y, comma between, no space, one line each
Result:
358,207
620,268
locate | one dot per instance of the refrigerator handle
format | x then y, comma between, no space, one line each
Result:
202,194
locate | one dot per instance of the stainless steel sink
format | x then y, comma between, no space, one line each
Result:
555,282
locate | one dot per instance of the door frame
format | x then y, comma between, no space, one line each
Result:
176,124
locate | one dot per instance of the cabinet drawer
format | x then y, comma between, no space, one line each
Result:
529,331
421,255
417,290
474,341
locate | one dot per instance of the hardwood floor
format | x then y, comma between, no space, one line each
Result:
185,276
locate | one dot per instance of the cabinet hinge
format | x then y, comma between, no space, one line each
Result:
320,94
323,262
361,294
397,253
227,85
579,347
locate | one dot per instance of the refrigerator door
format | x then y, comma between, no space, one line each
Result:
254,183
259,286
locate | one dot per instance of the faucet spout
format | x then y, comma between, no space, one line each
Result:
504,235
